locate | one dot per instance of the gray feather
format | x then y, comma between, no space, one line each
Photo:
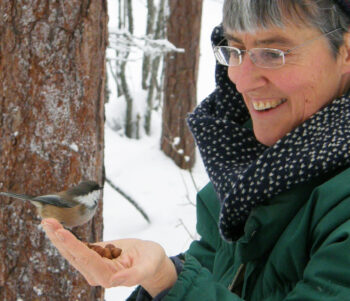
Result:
50,199
18,196
55,200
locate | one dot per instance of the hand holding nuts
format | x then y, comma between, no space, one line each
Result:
109,251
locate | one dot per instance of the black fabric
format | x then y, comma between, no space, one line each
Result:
245,172
345,5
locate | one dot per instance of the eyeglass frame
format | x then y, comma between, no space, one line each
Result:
281,52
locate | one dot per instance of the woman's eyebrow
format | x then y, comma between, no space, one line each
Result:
232,38
276,39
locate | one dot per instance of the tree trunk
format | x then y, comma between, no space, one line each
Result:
52,75
150,79
126,22
180,80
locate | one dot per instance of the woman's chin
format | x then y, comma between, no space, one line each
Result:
267,138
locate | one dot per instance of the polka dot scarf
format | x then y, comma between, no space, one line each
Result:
345,5
244,172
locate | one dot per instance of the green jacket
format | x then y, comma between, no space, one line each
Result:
296,247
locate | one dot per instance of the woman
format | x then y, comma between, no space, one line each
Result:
274,137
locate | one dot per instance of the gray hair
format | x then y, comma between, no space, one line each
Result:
250,15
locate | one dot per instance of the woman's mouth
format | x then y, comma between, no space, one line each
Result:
266,105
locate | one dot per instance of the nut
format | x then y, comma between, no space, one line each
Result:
116,252
110,246
97,249
109,251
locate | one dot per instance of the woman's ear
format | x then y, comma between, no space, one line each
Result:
344,52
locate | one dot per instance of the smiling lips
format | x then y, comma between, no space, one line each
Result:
266,105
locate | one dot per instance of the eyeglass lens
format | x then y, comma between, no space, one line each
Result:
262,57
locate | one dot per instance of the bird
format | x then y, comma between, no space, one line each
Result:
72,207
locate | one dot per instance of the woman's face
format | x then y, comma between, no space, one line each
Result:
280,99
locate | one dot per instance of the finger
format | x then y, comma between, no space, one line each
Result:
72,249
51,223
94,268
117,265
84,255
50,226
127,277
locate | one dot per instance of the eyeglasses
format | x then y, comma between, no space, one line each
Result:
261,57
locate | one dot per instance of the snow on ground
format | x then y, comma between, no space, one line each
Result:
141,170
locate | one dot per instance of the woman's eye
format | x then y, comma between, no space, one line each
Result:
270,55
234,53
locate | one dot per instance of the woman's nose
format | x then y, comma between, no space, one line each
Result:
247,76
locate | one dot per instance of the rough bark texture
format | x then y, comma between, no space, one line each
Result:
180,80
52,69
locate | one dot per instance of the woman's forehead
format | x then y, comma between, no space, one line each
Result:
267,38
287,36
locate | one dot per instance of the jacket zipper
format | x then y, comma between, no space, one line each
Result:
236,277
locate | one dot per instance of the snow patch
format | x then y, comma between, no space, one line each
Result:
73,146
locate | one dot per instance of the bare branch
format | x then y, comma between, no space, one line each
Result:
193,180
134,203
181,223
124,41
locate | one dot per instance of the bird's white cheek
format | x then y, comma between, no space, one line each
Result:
89,199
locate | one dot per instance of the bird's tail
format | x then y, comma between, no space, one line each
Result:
17,196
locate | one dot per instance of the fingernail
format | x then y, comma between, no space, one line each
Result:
59,236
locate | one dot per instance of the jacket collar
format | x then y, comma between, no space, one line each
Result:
266,222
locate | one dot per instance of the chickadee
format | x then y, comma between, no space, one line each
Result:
72,207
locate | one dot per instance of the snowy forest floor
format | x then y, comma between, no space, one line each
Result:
139,168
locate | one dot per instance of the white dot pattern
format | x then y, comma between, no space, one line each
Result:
246,173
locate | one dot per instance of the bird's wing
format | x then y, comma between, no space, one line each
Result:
17,195
55,200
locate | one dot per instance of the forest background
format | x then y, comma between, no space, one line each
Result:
166,192
95,90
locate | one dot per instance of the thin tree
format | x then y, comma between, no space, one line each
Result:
152,46
152,77
125,22
181,70
52,75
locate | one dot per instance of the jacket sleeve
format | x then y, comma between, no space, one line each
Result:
326,276
204,250
197,283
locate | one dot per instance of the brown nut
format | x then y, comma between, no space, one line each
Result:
107,253
116,252
98,249
110,246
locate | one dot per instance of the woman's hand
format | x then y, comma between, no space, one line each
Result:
140,263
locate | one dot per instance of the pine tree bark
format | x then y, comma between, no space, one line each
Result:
180,80
52,77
